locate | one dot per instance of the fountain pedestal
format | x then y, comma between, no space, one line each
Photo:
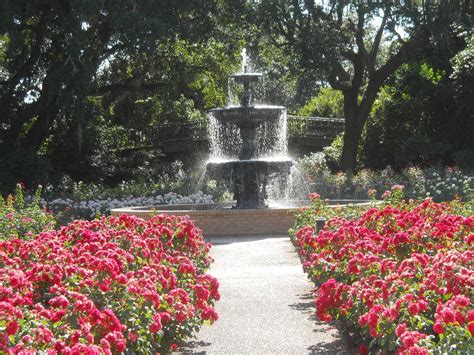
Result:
249,178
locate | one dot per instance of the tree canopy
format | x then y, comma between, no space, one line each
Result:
65,65
356,46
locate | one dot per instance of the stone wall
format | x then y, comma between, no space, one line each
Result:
231,222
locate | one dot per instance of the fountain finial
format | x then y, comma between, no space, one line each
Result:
244,60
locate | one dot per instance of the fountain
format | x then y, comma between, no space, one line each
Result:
257,149
249,152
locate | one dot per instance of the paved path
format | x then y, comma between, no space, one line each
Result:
266,305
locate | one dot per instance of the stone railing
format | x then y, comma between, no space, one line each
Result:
298,126
178,131
322,127
312,132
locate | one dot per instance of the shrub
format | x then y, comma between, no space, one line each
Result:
401,276
106,286
328,103
19,219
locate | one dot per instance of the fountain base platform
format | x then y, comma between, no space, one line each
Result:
223,220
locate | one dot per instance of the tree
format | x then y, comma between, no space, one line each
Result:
56,57
413,120
345,41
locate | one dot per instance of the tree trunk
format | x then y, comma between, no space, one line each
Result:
356,115
352,133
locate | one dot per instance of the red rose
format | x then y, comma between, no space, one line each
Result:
438,328
133,336
401,328
12,328
413,308
470,315
470,327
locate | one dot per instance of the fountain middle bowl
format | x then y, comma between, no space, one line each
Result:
250,114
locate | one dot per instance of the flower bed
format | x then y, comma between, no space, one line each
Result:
74,209
105,286
442,184
402,277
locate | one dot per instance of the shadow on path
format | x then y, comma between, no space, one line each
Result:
307,307
191,345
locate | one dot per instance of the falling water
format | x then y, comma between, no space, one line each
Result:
272,138
297,187
281,147
229,92
200,182
224,140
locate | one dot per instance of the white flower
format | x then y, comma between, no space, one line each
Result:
438,192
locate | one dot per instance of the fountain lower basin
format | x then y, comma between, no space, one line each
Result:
222,220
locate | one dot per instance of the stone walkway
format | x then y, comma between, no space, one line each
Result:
266,305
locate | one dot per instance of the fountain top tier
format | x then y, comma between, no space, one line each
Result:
246,79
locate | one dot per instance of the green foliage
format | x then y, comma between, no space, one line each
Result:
333,152
22,219
328,103
81,81
414,121
356,46
3,45
285,84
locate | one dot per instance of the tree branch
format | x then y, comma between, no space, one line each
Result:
359,35
378,36
135,84
26,68
405,53
339,78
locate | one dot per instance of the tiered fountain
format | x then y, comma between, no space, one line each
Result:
249,152
248,145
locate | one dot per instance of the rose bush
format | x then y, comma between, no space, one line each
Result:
400,275
105,286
